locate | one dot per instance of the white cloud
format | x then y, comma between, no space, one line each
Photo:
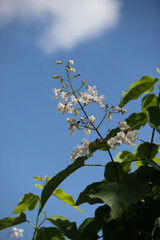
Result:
65,23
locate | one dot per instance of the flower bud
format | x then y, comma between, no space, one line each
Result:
55,76
58,62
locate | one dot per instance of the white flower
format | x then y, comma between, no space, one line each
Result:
91,119
72,129
123,126
72,70
120,137
73,99
92,92
20,231
98,100
61,108
64,96
56,92
84,98
69,107
87,131
109,117
118,109
112,141
15,232
123,111
71,62
131,137
58,62
80,150
69,120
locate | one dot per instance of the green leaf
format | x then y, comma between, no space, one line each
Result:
122,162
68,199
38,178
85,198
9,222
115,230
153,116
69,229
156,159
115,195
158,70
144,152
145,84
53,183
39,186
138,181
136,120
28,202
50,233
89,229
150,100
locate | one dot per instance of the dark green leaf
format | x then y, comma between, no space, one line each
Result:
136,120
115,195
144,151
27,202
68,199
138,181
115,230
150,100
88,229
122,162
50,233
147,152
84,196
69,229
9,222
143,85
153,116
53,183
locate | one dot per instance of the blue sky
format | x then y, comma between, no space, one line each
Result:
113,43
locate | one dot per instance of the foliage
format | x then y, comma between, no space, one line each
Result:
129,200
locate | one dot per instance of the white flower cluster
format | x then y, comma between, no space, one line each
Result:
91,95
122,137
16,232
68,106
80,150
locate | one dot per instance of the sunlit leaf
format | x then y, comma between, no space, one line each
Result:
9,222
150,100
38,178
153,115
28,202
143,85
156,159
68,199
158,70
39,186
69,229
